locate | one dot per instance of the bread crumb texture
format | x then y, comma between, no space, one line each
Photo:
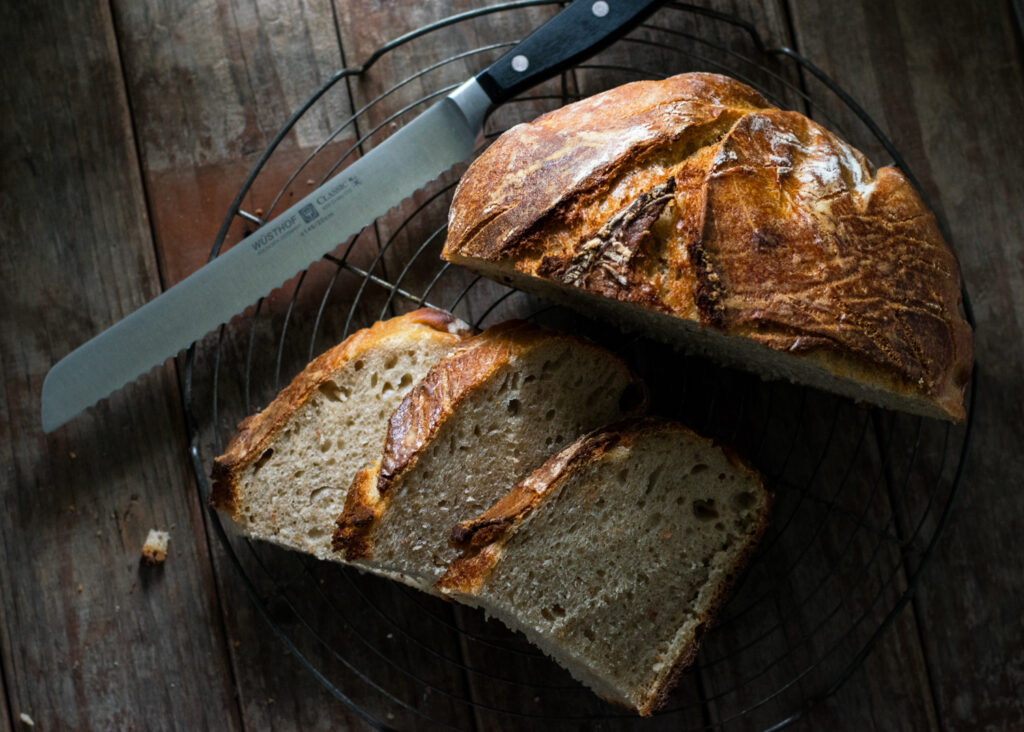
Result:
285,476
614,556
482,419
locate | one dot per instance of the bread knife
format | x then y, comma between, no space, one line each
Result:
441,137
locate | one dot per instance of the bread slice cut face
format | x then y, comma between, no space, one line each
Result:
481,420
284,477
614,556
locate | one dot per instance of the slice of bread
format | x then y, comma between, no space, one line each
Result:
284,477
481,420
693,209
614,556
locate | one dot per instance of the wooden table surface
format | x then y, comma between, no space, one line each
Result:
127,129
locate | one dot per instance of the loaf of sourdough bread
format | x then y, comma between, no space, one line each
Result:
479,421
697,211
284,477
614,555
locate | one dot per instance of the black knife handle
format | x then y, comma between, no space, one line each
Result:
580,30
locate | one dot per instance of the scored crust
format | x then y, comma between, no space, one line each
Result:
482,538
416,420
695,199
257,431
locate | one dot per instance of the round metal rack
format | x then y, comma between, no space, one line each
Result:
862,494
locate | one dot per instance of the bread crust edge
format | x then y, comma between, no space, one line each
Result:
482,538
427,407
256,431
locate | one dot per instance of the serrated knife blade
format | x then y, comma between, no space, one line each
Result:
432,143
419,152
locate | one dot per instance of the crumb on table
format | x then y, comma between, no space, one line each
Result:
154,551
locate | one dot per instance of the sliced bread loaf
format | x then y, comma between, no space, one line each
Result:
694,209
614,556
482,419
284,477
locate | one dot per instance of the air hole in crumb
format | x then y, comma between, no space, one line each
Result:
267,454
373,380
652,479
705,510
743,501
631,398
513,406
599,502
720,526
388,386
698,468
358,365
623,475
333,392
721,476
325,445
529,378
549,415
392,360
588,634
476,430
406,380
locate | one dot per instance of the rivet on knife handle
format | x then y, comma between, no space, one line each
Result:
579,31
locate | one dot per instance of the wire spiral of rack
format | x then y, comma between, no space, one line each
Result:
862,495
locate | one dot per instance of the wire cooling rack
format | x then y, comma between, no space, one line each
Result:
862,495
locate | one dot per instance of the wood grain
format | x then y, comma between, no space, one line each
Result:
209,87
946,81
7,714
113,182
90,638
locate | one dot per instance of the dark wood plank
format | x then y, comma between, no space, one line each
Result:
7,714
90,639
945,80
209,87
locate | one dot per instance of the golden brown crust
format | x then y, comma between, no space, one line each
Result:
419,416
256,431
362,508
695,197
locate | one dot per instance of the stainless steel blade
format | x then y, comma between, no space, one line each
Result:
439,138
